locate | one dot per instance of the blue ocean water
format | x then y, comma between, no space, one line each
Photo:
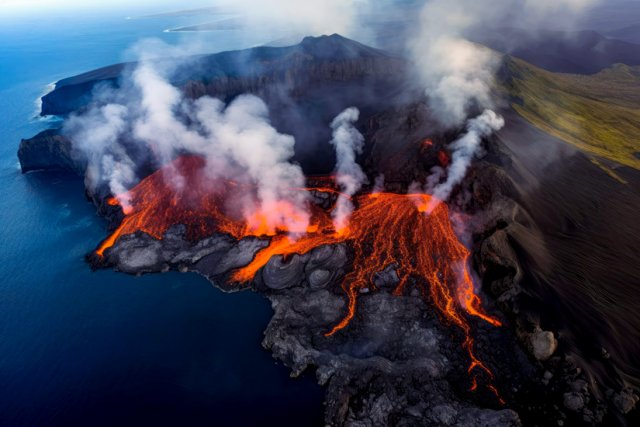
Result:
100,348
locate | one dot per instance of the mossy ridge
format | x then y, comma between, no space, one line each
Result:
597,113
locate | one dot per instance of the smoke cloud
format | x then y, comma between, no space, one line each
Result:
348,143
156,120
157,123
458,75
244,137
97,134
378,184
464,150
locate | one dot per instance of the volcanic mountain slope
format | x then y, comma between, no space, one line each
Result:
598,113
304,85
564,256
556,241
328,288
229,73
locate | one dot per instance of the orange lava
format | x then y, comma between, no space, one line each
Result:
385,229
194,200
444,158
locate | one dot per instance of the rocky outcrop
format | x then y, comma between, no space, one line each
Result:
542,344
49,150
212,257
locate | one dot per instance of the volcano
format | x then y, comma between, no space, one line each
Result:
385,311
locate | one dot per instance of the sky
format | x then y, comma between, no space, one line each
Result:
26,4
156,5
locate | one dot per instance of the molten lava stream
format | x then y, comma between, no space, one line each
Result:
157,203
424,247
385,229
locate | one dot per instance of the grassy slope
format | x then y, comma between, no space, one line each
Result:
599,113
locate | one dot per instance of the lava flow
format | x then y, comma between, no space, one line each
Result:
193,199
385,230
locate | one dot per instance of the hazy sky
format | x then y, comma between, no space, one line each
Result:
156,5
160,5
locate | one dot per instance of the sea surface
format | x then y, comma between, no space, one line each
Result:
84,348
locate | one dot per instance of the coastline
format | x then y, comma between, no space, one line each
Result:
38,101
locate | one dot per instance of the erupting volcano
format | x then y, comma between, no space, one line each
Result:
386,230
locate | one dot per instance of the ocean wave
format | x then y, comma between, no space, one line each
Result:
38,102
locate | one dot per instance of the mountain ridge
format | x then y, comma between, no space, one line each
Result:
75,92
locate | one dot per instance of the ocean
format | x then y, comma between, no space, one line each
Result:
87,348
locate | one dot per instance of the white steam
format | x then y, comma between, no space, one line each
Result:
348,143
457,74
158,124
464,149
97,134
244,137
545,7
378,184
459,78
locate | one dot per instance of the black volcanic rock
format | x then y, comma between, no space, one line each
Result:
73,94
546,237
389,367
222,74
48,150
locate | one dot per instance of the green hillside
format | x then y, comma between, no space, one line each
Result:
598,113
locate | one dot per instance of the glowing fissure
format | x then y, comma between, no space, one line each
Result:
385,229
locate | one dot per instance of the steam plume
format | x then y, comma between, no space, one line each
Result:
244,137
378,184
544,7
459,75
97,135
348,143
464,149
238,142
